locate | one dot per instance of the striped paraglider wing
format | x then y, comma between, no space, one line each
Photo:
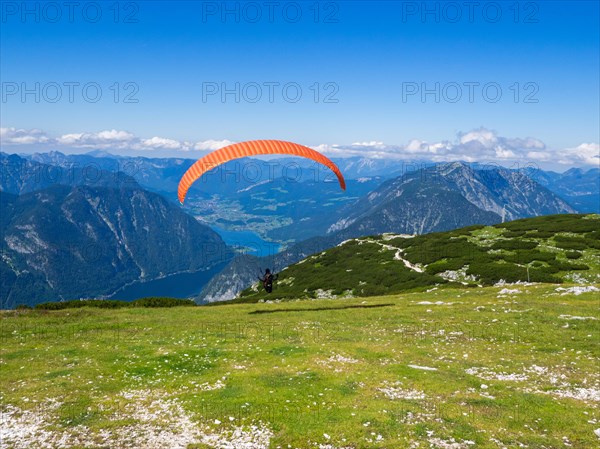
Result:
251,148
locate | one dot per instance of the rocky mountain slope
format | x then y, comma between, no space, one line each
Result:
581,188
72,241
424,200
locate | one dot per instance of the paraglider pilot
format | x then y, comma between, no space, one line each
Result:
267,280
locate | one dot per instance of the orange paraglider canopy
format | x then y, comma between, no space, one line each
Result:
251,148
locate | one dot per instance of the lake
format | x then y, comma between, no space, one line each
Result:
186,285
183,285
248,241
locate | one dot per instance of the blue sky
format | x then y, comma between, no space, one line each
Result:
369,56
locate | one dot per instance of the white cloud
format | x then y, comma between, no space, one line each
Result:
103,139
372,144
113,135
503,153
480,144
375,150
483,136
325,148
527,143
160,143
415,146
14,136
70,139
586,153
539,156
212,144
420,147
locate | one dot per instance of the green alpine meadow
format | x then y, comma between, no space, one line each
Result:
482,337
549,249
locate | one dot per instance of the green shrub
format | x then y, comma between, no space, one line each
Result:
23,307
572,245
115,304
528,256
76,304
445,265
512,234
515,244
493,272
152,301
573,255
595,235
427,251
540,234
568,238
544,274
552,224
567,266
466,231
490,273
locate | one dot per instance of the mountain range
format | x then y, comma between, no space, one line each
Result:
288,200
90,239
119,207
580,188
460,194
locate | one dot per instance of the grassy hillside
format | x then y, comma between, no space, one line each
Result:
551,249
453,368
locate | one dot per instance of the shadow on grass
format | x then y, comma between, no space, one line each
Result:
319,309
